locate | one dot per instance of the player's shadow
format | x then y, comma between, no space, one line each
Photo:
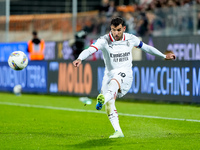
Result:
96,143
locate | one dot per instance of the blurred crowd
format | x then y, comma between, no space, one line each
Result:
158,17
145,18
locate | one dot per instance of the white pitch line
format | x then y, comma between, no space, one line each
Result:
93,111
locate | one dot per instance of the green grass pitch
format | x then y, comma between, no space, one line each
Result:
62,122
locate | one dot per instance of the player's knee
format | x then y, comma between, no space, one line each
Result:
114,82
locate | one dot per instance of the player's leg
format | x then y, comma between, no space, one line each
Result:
114,119
119,85
125,82
110,93
112,90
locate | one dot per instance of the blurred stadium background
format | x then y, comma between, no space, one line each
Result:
42,118
70,26
54,20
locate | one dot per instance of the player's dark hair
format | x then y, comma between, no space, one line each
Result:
117,21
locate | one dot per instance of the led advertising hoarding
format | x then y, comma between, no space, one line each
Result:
32,79
155,80
64,78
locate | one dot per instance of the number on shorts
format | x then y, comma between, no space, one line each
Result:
122,74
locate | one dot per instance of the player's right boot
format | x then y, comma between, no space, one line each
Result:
117,134
100,101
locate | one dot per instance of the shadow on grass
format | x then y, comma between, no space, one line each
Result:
97,143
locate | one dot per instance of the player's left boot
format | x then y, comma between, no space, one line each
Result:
100,101
117,134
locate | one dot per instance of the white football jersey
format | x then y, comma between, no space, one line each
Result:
117,54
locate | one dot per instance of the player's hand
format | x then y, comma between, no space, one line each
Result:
170,56
77,62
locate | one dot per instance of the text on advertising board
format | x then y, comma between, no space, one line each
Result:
184,81
77,80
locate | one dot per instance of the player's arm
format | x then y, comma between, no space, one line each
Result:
99,44
83,55
153,51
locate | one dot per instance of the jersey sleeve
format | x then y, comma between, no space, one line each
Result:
136,41
99,44
85,53
152,50
146,48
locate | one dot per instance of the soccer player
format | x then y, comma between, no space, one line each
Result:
118,77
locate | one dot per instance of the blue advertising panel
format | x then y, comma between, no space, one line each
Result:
163,80
195,81
33,78
7,48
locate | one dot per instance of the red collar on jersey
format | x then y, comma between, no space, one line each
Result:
112,39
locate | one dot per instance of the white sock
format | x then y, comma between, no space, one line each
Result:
112,91
113,115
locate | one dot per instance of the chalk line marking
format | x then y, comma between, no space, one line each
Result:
93,111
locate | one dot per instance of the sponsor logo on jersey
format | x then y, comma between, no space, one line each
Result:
128,44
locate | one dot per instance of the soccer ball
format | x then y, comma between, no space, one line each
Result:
17,60
17,89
